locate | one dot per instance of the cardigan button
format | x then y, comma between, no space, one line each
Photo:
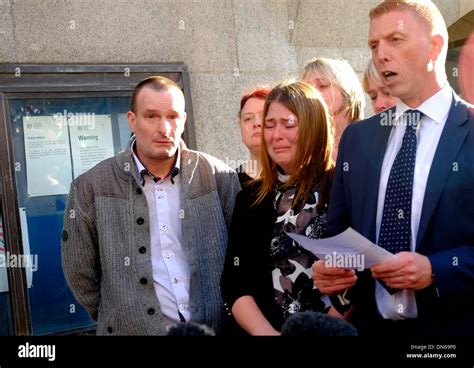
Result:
110,329
139,191
142,250
140,221
151,311
143,281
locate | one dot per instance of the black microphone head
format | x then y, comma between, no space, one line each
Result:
190,329
316,324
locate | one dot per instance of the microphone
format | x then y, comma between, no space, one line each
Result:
313,324
190,329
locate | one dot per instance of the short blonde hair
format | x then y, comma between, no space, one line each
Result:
425,10
371,75
341,74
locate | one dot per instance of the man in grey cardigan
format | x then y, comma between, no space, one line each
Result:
145,232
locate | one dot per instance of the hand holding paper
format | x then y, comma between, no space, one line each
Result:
346,250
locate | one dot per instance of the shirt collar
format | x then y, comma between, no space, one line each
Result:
142,170
283,178
436,107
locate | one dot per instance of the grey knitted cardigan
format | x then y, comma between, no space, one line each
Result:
106,242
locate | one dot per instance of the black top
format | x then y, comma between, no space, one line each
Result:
243,177
249,263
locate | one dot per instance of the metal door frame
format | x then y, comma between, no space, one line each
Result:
21,81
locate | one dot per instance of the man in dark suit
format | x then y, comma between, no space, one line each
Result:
408,185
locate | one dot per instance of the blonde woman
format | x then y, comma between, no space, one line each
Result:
379,96
340,88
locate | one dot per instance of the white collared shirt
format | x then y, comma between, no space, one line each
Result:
402,304
170,266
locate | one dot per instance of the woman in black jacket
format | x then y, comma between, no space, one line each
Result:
267,275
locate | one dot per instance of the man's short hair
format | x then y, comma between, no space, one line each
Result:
157,83
425,10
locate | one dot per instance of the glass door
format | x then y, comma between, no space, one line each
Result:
56,122
54,140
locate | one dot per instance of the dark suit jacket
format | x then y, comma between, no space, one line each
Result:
446,231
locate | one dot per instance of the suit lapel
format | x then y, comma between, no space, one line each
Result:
450,143
373,168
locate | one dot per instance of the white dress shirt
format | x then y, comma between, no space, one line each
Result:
171,273
402,304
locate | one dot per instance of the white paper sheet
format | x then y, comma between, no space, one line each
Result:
26,260
3,270
48,157
30,261
349,250
91,143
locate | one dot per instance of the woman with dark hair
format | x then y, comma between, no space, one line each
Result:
267,275
250,121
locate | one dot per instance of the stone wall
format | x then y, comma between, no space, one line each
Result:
228,45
